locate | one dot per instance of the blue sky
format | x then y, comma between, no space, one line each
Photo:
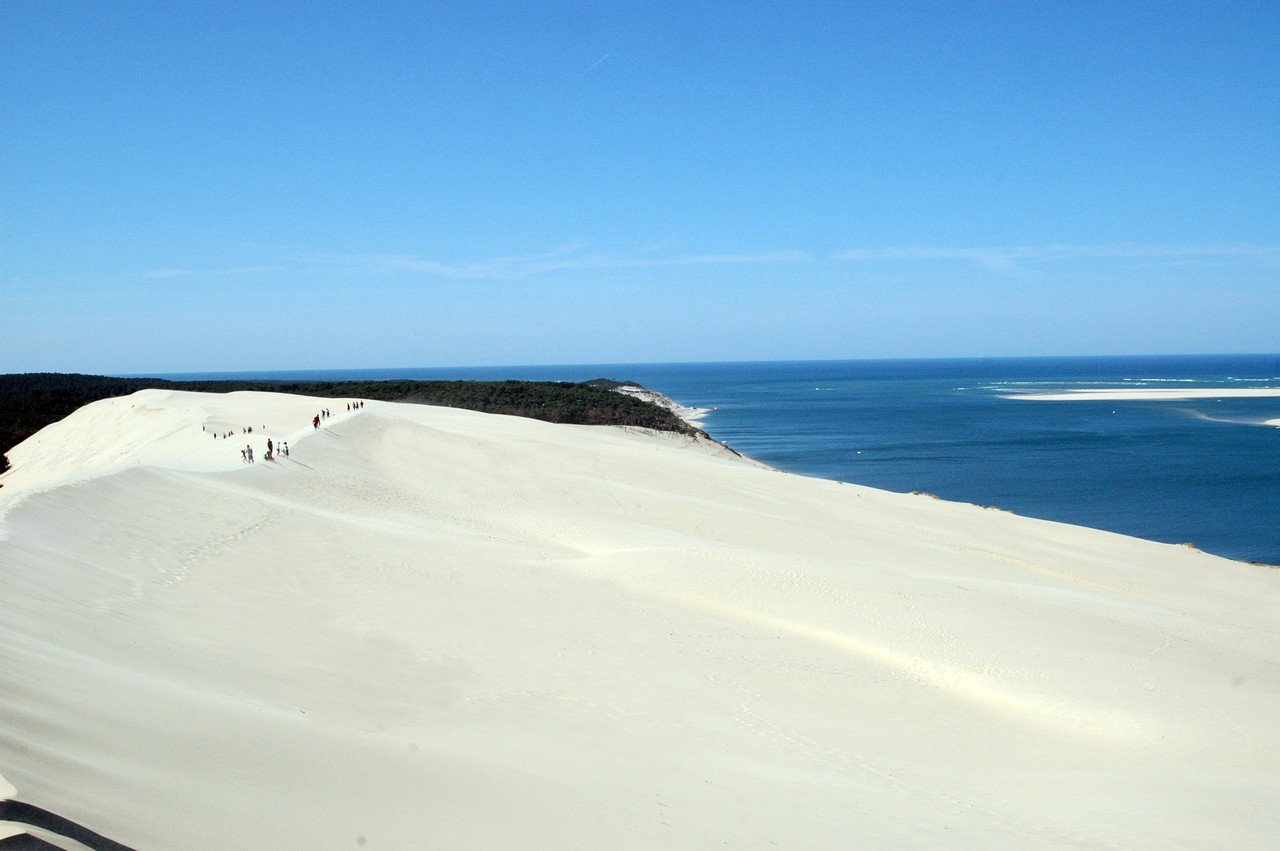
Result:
267,186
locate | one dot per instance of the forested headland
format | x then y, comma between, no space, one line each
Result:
31,401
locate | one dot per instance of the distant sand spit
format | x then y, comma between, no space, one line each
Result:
432,628
1149,394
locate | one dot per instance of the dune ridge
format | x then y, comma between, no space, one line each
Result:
429,627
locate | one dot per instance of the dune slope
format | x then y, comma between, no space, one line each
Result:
434,628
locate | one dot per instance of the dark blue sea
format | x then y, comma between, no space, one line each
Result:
1199,471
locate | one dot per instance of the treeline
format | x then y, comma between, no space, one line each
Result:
31,401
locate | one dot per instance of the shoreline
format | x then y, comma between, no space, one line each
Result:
692,416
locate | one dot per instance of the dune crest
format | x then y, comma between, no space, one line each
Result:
430,627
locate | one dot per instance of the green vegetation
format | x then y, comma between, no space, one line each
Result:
30,401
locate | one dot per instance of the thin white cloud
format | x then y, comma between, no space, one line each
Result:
576,257
162,274
489,267
1013,257
565,258
732,259
248,270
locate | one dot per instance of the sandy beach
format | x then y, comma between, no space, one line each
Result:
433,628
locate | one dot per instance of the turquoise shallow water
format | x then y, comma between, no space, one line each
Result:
1202,471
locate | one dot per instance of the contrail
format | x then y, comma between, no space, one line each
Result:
593,65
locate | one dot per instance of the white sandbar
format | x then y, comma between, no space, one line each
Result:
1151,394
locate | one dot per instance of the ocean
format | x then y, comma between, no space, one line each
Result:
1201,471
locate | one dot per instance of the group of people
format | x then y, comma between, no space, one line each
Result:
274,450
325,413
225,435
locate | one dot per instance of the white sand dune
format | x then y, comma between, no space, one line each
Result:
432,628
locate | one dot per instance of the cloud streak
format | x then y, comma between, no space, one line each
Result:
1010,258
566,258
164,274
575,257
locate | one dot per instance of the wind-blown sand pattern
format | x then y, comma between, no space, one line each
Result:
434,628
